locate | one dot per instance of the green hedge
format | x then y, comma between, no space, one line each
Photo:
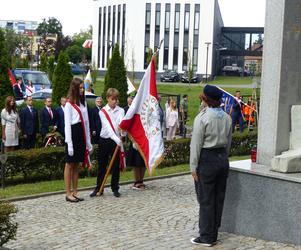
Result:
48,163
8,228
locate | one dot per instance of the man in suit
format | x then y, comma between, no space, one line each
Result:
47,118
29,122
95,122
129,101
60,117
18,90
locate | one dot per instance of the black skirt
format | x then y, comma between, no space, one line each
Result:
79,144
134,159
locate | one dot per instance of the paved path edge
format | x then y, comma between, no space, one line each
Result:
35,196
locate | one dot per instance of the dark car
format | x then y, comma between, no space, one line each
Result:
170,76
38,78
77,70
185,77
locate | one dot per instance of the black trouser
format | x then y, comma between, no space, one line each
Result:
30,141
183,123
212,172
106,151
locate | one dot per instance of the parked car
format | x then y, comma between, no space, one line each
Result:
185,77
77,70
232,71
46,93
38,78
170,76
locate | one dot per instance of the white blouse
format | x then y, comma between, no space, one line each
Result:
172,118
116,116
72,117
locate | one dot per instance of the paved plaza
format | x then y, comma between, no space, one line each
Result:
165,216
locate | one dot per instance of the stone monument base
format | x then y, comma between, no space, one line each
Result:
263,204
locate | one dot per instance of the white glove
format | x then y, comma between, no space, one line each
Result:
119,142
70,149
90,148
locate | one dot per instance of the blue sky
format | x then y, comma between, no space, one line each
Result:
78,14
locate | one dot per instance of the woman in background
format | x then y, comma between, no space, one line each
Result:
10,124
172,120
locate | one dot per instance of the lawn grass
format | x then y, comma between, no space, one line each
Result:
233,80
58,185
193,93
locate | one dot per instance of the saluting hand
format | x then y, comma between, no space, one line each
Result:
195,176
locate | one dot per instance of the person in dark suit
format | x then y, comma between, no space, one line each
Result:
47,118
129,101
60,122
95,122
29,122
18,90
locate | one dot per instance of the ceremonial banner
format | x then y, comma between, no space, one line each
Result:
142,120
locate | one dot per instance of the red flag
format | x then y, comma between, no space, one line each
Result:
142,120
11,77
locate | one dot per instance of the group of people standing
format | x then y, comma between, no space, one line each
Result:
29,122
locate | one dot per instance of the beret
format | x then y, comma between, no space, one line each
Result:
213,92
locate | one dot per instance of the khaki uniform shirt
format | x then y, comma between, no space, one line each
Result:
212,128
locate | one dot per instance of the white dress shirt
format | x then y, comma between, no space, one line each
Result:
116,116
72,117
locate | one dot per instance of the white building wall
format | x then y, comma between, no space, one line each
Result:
135,31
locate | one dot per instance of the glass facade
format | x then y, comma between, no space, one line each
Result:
147,32
196,36
186,37
176,36
166,36
99,37
104,37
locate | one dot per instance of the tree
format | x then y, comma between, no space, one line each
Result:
50,27
116,77
5,85
50,67
75,53
61,78
43,64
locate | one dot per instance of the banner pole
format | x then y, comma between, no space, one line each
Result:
108,170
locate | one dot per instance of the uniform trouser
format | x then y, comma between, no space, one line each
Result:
212,172
106,151
237,118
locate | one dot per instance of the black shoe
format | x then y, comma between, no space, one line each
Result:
94,193
116,193
198,241
78,198
71,200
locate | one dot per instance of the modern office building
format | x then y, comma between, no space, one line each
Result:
19,26
191,30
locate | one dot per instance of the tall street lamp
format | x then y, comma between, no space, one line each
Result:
208,44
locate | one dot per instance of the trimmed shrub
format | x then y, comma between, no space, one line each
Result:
48,163
61,78
8,229
116,77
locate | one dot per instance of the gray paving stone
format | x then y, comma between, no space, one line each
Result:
164,216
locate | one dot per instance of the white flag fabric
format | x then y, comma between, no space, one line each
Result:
131,87
142,121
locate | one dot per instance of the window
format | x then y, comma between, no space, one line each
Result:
196,36
103,38
114,22
177,20
157,25
123,30
118,24
167,20
196,20
165,58
166,36
185,58
147,32
109,34
99,36
186,26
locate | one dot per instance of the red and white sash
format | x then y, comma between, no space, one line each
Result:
122,162
29,89
87,161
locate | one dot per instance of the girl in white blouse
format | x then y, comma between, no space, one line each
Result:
10,124
77,137
172,120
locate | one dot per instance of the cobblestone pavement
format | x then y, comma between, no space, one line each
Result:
162,217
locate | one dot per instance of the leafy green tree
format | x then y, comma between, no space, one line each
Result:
50,27
75,53
5,85
61,78
116,77
43,63
50,67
